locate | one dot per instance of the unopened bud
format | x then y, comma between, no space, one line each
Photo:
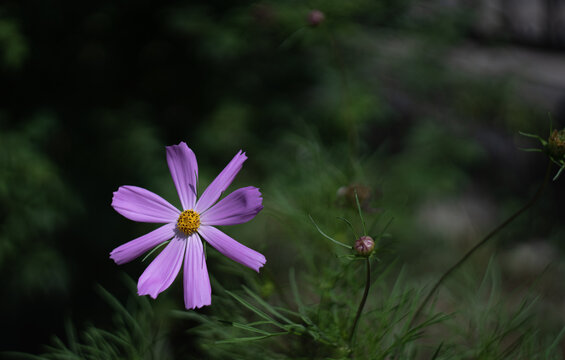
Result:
364,245
346,196
315,17
556,144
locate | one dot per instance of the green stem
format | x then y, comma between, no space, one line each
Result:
363,300
483,242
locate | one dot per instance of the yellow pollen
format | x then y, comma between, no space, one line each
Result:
188,222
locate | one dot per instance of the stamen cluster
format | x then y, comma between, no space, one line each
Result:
188,222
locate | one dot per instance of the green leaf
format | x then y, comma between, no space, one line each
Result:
261,322
255,309
329,237
251,338
113,302
534,136
555,343
350,226
530,150
559,172
250,328
360,214
436,353
155,249
297,299
266,305
382,233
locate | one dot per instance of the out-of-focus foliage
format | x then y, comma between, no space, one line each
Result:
12,44
35,202
138,332
366,99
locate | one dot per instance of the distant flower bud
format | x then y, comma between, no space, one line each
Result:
364,245
556,144
346,196
315,17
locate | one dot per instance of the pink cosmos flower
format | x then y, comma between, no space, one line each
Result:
185,229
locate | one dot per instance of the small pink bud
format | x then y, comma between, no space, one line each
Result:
364,245
315,17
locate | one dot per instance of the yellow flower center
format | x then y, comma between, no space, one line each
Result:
188,222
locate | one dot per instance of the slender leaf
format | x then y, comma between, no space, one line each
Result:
327,236
250,328
254,309
266,305
350,226
155,249
360,214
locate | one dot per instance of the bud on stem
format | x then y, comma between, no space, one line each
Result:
315,18
556,144
364,245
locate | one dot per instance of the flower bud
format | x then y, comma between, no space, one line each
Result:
315,18
364,245
346,196
556,144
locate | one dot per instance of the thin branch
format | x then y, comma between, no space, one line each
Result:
363,300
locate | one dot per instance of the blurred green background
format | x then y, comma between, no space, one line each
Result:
418,102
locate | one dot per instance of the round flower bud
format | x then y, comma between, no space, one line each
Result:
364,245
556,144
315,17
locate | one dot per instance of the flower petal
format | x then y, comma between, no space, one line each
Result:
184,170
197,290
136,247
142,205
163,270
231,248
238,207
220,183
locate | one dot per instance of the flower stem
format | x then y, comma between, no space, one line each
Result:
483,242
363,300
